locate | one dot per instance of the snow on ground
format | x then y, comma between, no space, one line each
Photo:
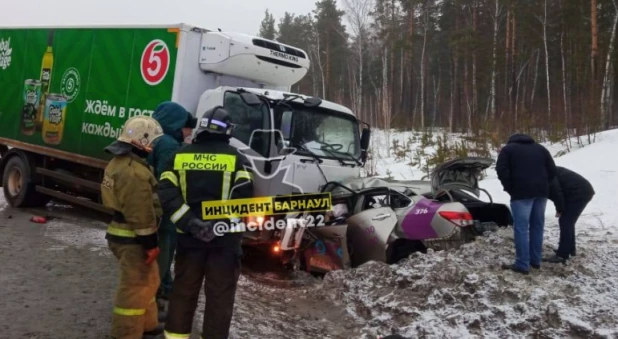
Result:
464,294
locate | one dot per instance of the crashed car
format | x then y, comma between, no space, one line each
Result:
376,219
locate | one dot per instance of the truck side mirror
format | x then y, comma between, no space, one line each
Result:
312,102
287,151
365,138
286,124
250,99
260,139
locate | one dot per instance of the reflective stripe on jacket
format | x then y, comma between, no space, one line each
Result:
129,189
208,170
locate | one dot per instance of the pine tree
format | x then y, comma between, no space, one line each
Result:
267,27
331,39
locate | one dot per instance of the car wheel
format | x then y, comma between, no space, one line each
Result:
402,248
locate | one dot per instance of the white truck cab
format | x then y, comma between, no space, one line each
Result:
251,77
296,143
317,144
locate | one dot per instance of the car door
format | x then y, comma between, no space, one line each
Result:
368,233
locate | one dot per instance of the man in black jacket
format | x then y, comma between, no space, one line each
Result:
570,193
209,169
525,169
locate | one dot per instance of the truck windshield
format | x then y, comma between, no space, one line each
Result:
247,119
325,133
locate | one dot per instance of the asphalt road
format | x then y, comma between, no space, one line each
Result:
57,281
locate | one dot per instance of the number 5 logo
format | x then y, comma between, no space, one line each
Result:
155,62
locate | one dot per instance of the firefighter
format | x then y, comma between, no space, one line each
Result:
208,169
129,190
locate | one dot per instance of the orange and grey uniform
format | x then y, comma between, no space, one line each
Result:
129,189
206,170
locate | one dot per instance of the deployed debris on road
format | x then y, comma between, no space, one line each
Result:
38,220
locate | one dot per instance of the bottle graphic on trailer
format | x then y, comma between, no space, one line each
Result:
32,97
47,65
53,118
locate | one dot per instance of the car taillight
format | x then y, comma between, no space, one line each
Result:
460,219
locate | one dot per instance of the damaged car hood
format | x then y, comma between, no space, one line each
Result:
406,187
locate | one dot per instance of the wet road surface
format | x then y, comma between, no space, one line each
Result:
57,281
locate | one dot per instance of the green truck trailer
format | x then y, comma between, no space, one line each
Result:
65,93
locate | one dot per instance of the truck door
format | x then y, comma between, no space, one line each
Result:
249,121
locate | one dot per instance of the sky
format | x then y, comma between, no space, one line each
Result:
243,16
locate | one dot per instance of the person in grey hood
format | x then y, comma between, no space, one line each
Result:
525,169
177,124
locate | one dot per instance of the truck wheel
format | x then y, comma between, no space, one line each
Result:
18,187
3,150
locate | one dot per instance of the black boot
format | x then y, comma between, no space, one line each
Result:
161,304
162,316
572,253
514,269
555,260
156,333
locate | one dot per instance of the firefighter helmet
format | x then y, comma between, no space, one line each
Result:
141,131
215,121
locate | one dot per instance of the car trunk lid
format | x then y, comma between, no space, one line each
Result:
460,174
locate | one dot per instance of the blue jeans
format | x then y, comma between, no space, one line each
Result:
167,245
529,221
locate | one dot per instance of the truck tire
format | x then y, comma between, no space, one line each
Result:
18,187
3,151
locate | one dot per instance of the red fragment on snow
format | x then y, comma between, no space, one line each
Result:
38,220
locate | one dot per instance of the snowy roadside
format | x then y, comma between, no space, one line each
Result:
463,293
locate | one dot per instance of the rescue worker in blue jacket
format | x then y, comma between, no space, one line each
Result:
209,169
177,124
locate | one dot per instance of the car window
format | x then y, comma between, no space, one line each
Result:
399,201
375,201
393,201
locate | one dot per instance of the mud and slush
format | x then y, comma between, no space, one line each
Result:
57,281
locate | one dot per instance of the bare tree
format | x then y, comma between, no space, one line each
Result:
318,55
436,95
544,23
475,96
605,98
423,65
494,61
358,16
386,107
536,77
594,32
